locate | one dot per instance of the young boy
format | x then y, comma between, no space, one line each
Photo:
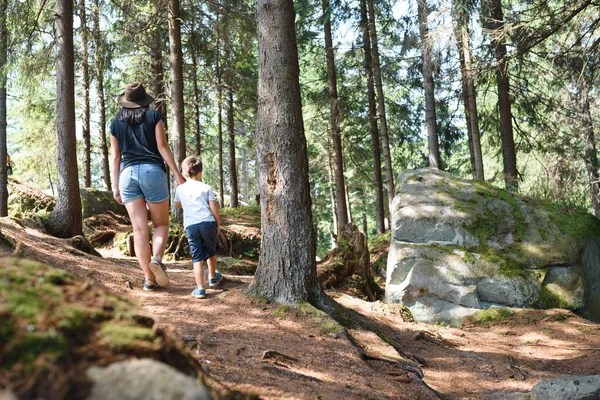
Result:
201,222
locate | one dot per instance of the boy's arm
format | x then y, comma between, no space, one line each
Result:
214,208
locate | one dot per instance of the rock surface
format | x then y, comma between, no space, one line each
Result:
570,387
143,380
460,246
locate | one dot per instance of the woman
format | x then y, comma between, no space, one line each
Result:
140,150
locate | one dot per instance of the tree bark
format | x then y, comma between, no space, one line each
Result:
220,118
3,121
287,269
468,88
197,130
158,77
66,219
509,156
383,125
332,195
85,84
338,156
233,181
176,67
589,139
245,177
99,75
430,115
379,208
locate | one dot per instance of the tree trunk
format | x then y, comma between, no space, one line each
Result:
99,74
430,117
338,157
197,133
220,119
158,78
380,213
233,197
589,140
332,195
287,269
176,67
85,71
383,125
66,219
245,178
3,122
509,155
468,89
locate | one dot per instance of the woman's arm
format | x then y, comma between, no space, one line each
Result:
165,152
116,166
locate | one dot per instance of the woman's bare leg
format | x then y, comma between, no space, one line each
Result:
160,220
139,221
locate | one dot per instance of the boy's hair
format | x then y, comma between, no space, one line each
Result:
191,166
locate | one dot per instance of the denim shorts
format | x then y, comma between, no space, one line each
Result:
202,239
147,181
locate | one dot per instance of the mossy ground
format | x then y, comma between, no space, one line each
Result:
52,327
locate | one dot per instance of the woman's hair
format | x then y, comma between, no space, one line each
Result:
132,116
191,166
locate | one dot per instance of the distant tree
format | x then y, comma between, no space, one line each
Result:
461,29
383,124
378,180
85,85
340,209
430,116
287,267
3,123
66,219
99,78
233,181
495,25
176,66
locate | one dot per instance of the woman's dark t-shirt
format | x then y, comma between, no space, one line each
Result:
138,142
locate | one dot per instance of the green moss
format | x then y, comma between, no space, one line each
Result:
72,319
323,320
6,328
28,348
490,315
575,223
25,304
378,241
549,299
126,336
543,234
250,213
508,260
282,312
57,277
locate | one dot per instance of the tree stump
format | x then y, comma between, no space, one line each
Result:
349,258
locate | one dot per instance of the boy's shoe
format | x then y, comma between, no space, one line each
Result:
198,293
150,286
216,281
160,271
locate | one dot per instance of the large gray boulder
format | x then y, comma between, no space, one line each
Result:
143,380
460,246
569,387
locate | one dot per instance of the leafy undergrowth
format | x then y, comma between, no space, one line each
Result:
53,327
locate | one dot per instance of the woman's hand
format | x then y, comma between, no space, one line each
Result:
117,195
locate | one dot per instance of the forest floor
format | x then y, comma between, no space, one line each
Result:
278,352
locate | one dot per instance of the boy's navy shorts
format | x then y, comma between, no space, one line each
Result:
202,239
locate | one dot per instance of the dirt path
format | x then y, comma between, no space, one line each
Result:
229,333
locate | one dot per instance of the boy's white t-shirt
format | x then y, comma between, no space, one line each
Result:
194,197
